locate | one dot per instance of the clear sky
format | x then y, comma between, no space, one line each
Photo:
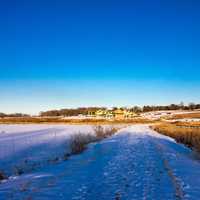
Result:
59,53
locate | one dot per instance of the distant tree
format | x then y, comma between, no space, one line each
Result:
181,105
147,109
192,106
136,109
114,108
2,115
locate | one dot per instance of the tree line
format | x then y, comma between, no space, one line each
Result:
181,106
136,109
14,115
86,110
71,112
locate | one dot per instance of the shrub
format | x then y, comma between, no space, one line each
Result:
2,176
19,170
110,131
102,132
80,141
99,132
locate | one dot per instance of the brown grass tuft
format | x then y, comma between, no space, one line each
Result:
104,132
80,141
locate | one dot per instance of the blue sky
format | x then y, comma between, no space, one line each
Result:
57,54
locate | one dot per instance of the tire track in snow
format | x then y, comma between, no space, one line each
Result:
176,182
133,173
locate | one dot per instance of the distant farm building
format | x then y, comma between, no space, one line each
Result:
110,114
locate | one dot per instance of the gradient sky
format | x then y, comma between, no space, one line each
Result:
57,54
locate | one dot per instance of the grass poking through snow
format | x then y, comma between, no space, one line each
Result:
80,141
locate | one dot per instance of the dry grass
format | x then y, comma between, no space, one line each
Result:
187,124
104,132
186,115
187,135
80,141
49,120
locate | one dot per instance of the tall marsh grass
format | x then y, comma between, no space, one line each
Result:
47,120
182,134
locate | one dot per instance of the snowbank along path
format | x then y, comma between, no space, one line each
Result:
137,163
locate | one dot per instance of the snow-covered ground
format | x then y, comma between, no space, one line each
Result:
153,115
31,146
137,163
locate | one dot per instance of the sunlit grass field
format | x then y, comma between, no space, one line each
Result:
187,133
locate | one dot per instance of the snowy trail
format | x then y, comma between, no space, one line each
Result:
135,164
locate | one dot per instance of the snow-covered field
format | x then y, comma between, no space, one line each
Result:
31,146
136,163
153,115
